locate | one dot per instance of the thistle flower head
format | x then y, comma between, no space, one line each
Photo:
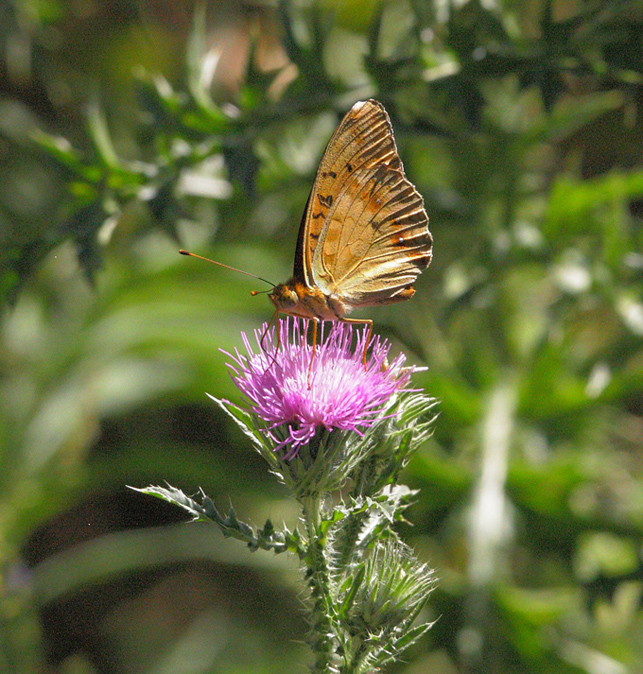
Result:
291,389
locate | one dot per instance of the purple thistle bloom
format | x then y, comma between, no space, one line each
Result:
335,392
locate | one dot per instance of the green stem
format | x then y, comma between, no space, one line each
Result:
324,641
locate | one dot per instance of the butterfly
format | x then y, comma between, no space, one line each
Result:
364,235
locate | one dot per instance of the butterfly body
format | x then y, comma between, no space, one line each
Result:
298,299
364,235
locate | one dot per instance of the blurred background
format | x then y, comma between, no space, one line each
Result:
130,128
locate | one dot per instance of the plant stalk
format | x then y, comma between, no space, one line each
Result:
323,635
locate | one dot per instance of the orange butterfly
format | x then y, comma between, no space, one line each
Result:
364,236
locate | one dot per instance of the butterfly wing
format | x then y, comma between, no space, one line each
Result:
374,238
362,141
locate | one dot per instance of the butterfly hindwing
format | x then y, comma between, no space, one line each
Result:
377,241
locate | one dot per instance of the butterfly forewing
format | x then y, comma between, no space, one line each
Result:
363,140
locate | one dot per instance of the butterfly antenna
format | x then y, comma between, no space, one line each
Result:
227,266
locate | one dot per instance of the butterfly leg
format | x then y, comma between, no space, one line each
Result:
277,345
265,332
315,322
369,334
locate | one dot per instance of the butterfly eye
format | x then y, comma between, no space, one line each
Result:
284,297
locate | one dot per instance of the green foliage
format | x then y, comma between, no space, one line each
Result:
520,125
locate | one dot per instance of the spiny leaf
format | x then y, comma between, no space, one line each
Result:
230,525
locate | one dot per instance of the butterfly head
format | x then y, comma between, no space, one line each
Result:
284,297
298,299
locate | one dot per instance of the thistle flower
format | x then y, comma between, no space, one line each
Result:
351,427
334,391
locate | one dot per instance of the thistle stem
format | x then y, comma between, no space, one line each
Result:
323,634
